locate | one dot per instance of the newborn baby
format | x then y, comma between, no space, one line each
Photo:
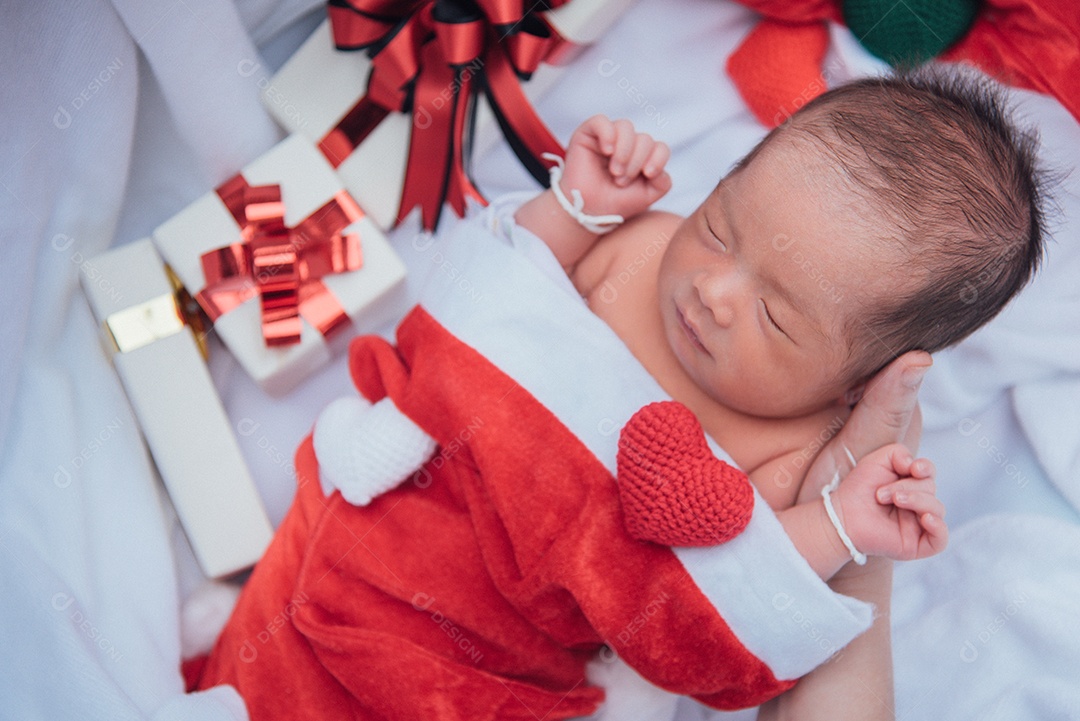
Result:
887,216
482,588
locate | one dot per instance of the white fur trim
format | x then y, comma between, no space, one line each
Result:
773,601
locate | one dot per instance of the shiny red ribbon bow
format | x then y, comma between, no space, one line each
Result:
283,266
432,58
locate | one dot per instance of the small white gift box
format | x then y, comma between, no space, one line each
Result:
319,85
180,415
280,241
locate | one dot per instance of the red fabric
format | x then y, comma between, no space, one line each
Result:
674,491
1032,44
479,589
777,68
192,669
796,11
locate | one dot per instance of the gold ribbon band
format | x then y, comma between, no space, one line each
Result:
157,318
142,324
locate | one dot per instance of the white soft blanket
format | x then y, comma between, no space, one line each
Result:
116,115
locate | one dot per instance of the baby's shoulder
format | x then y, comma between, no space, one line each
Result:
650,227
643,236
779,457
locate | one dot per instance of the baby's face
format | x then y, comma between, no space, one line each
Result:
758,285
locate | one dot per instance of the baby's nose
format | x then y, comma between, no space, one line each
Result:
719,294
723,313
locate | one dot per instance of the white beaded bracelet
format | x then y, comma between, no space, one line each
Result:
598,224
856,555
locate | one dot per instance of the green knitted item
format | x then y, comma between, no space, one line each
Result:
908,32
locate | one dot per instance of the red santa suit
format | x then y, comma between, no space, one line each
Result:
480,586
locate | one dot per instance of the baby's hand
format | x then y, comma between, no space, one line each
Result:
616,169
888,507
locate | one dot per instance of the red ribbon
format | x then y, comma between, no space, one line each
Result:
283,266
433,57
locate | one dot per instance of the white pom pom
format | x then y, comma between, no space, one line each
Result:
365,450
334,429
204,615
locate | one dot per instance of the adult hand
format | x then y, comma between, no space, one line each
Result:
888,412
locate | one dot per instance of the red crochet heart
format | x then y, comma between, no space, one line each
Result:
674,491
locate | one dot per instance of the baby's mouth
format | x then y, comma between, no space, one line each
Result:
691,332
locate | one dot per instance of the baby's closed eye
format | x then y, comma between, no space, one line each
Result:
772,320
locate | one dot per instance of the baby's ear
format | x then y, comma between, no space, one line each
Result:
854,394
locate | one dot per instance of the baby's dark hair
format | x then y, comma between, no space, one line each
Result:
936,153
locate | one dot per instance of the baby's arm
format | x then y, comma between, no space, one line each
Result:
887,507
617,170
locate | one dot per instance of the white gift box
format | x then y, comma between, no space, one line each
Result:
180,415
319,84
370,296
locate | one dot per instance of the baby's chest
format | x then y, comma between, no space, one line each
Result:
778,453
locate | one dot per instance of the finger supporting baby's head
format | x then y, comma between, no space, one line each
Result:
958,201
